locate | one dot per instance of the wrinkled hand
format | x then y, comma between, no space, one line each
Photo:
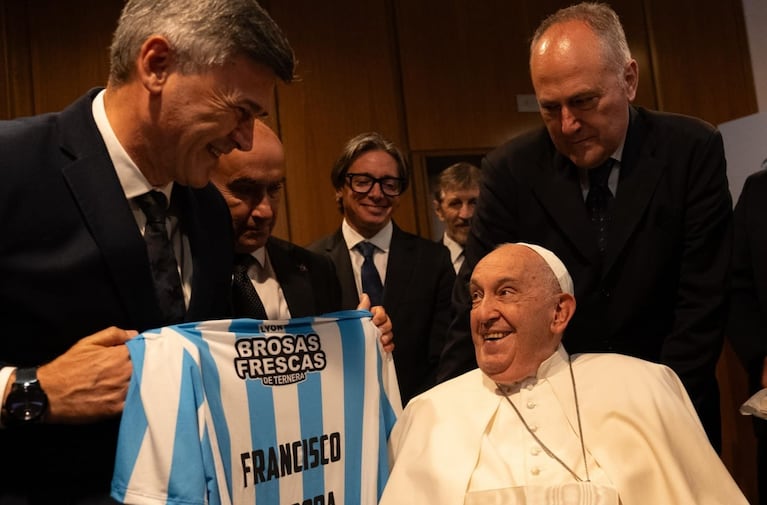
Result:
89,381
381,320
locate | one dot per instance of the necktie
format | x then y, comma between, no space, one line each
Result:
371,281
598,202
162,259
245,300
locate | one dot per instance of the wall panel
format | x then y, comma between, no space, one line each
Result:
348,84
701,60
69,48
464,62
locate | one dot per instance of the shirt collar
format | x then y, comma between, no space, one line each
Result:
260,256
131,179
455,248
548,368
381,240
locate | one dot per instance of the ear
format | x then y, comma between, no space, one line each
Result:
631,79
563,313
155,61
438,210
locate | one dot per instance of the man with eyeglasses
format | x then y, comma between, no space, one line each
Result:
410,276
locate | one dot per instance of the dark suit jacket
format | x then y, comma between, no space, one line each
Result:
746,326
419,280
660,293
308,280
72,262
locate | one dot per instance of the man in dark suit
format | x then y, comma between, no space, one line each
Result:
273,278
748,304
89,241
289,281
454,201
647,243
410,276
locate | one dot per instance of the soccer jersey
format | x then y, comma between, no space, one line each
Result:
258,412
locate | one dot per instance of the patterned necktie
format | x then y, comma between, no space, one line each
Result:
598,202
162,258
371,281
245,300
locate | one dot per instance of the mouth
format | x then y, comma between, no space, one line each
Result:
215,152
376,208
495,336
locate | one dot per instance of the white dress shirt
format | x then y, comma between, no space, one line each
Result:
456,251
264,279
382,241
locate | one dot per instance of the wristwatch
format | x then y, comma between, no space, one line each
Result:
26,403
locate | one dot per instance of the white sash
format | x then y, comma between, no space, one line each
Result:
575,493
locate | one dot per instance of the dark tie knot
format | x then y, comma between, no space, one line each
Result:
154,205
243,261
366,249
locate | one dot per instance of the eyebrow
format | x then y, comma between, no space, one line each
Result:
254,108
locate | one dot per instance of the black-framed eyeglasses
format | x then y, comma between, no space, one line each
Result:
363,183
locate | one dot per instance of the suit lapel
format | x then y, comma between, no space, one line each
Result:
338,251
292,276
557,187
635,188
400,265
105,210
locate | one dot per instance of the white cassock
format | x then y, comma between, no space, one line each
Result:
461,442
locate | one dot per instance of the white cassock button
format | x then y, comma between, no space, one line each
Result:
531,404
533,428
535,470
535,450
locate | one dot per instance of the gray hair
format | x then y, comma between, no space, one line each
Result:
461,175
202,33
603,20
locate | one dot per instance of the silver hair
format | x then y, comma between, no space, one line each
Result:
603,20
202,34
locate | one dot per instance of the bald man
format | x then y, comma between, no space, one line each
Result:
536,425
289,281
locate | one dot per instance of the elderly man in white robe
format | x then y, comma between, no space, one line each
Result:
533,425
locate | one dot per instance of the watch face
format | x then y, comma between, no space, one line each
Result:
26,402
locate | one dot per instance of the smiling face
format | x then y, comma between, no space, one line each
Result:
251,183
584,101
456,208
368,213
518,313
202,116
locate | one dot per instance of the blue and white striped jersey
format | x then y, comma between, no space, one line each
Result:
258,412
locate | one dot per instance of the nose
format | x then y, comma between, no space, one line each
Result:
570,122
467,210
485,312
261,209
375,191
242,135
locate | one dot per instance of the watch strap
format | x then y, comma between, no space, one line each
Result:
26,375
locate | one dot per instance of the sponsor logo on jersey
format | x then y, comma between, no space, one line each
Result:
279,359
